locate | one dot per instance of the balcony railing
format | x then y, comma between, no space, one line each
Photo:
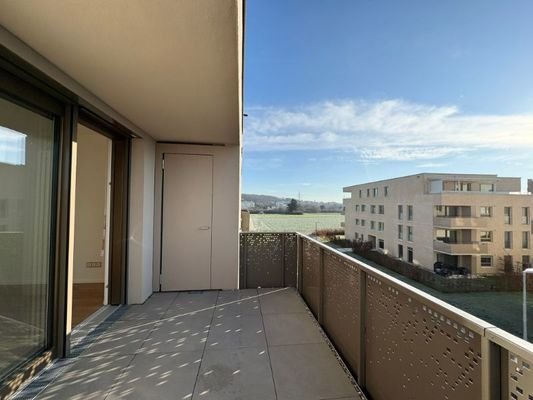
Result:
399,342
460,248
460,222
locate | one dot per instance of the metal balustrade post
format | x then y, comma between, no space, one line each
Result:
244,261
490,370
283,255
321,285
300,263
361,365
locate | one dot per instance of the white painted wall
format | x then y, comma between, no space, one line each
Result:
90,217
141,220
226,211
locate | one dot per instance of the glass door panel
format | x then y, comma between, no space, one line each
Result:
27,149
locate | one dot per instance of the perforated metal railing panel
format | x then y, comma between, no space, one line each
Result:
311,275
341,302
413,352
520,378
267,259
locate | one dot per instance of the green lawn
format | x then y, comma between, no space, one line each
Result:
502,309
306,223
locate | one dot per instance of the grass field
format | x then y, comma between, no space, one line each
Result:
306,223
502,309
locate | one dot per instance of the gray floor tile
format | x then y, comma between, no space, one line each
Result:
236,332
309,371
121,337
152,312
294,328
275,301
177,335
89,378
235,374
231,295
163,376
238,307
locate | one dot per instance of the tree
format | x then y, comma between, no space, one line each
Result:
292,206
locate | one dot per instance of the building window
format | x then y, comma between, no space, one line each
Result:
400,231
486,187
400,212
381,244
508,240
363,208
410,233
507,215
376,192
486,261
400,251
368,192
372,209
465,187
410,254
525,215
357,207
409,213
485,211
356,236
363,222
360,193
381,226
357,221
485,236
525,240
381,209
526,262
372,224
386,191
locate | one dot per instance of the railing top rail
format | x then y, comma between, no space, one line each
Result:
468,320
263,232
511,342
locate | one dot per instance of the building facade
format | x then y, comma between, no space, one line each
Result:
478,222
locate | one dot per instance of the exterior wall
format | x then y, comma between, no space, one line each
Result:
141,222
416,190
91,205
495,224
226,211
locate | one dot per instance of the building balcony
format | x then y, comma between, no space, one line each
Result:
460,222
460,248
327,319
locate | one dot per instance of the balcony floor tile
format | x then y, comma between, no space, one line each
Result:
253,344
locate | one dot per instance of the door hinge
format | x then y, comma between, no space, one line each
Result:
163,164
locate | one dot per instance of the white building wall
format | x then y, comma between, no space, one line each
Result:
416,190
140,256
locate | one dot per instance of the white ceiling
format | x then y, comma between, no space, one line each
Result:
172,67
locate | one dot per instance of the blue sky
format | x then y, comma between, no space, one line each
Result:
341,92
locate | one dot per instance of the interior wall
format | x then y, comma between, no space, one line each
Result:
141,220
90,218
226,211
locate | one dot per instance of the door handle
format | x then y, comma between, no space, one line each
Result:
205,228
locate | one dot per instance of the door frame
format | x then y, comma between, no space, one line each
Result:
25,84
119,208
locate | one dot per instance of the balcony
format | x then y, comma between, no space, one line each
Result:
460,222
460,248
397,341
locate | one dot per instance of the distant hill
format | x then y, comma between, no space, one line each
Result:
262,202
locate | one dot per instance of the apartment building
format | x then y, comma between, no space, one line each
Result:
478,222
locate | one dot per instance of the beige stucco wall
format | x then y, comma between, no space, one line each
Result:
140,256
226,211
413,190
91,204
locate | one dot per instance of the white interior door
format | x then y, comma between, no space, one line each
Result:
186,222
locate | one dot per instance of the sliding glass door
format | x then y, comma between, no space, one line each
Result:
28,146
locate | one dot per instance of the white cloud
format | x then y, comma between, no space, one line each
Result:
385,130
